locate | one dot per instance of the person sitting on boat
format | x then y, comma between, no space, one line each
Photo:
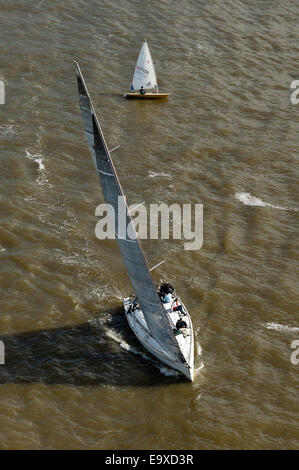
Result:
178,308
142,91
135,304
181,326
166,288
167,299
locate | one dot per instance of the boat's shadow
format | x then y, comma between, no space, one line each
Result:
93,353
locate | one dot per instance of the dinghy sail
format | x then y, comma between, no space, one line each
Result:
145,78
144,74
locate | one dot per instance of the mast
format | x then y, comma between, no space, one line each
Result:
130,247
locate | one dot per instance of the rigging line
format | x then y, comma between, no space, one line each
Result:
114,148
136,207
154,267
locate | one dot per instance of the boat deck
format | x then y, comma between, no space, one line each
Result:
185,341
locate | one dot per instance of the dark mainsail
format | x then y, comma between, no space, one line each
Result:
130,248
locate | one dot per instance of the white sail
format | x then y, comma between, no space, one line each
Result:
144,74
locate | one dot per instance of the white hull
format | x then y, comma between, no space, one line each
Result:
139,327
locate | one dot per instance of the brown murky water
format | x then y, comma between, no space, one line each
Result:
74,374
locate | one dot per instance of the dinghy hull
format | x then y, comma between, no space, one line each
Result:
139,327
147,96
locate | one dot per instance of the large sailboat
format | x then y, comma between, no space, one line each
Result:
153,314
144,84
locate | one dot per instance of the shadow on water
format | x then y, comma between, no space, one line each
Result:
84,354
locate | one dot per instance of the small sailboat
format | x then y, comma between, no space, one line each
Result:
153,314
144,84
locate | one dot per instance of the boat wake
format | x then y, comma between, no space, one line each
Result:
127,347
123,344
198,347
248,200
198,369
282,328
198,350
166,371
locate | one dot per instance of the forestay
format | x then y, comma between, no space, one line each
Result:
130,247
144,74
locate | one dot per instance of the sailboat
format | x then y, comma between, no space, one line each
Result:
144,84
153,322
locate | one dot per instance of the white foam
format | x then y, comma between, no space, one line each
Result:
38,4
8,129
96,293
123,344
154,174
283,328
249,200
119,340
38,158
196,371
205,47
168,372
